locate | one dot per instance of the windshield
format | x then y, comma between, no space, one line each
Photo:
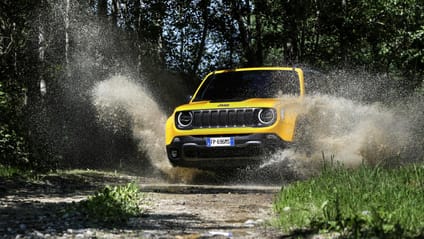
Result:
242,85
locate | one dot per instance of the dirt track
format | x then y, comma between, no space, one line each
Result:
205,211
38,210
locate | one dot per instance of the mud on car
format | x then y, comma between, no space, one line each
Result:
235,118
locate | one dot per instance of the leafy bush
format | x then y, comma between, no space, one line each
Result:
114,204
362,203
13,149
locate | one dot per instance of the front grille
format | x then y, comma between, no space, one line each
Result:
224,118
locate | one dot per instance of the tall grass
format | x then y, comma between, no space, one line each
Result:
359,203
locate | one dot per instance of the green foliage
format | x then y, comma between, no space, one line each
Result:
386,35
362,203
13,150
16,67
188,38
3,99
114,204
7,171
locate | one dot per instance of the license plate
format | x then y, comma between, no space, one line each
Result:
220,142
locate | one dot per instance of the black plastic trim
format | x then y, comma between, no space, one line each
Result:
249,149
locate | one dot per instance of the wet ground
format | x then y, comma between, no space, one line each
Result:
39,209
207,211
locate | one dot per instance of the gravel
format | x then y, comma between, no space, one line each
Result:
46,209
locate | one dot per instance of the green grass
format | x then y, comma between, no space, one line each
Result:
359,203
7,171
114,204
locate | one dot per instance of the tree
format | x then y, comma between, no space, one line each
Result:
16,71
69,45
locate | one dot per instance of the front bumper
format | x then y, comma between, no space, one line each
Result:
248,149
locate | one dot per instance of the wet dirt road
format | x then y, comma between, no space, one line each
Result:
196,211
39,209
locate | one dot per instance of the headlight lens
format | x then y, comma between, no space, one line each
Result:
266,116
184,119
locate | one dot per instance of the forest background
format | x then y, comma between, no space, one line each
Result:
52,53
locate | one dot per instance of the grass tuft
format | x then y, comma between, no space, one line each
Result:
114,204
358,203
6,171
11,172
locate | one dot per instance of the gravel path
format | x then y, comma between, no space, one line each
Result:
41,209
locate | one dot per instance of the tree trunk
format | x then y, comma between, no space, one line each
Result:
182,37
138,35
244,33
201,48
42,86
115,12
68,70
102,9
253,51
258,50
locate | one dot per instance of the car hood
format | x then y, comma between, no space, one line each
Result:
249,103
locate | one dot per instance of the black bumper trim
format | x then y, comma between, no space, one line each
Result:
249,149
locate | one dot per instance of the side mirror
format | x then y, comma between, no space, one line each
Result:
188,98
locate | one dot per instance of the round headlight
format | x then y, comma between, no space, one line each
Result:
184,119
266,116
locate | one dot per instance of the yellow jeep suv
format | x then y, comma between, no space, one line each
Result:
235,118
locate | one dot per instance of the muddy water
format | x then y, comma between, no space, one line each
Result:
354,132
336,128
119,100
351,133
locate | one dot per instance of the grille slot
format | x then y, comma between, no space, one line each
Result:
224,118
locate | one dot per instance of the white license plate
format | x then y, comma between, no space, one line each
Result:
220,142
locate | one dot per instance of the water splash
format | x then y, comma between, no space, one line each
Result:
118,98
350,132
336,128
120,103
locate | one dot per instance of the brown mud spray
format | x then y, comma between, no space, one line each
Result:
118,99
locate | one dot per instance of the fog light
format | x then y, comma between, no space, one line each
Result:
174,153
